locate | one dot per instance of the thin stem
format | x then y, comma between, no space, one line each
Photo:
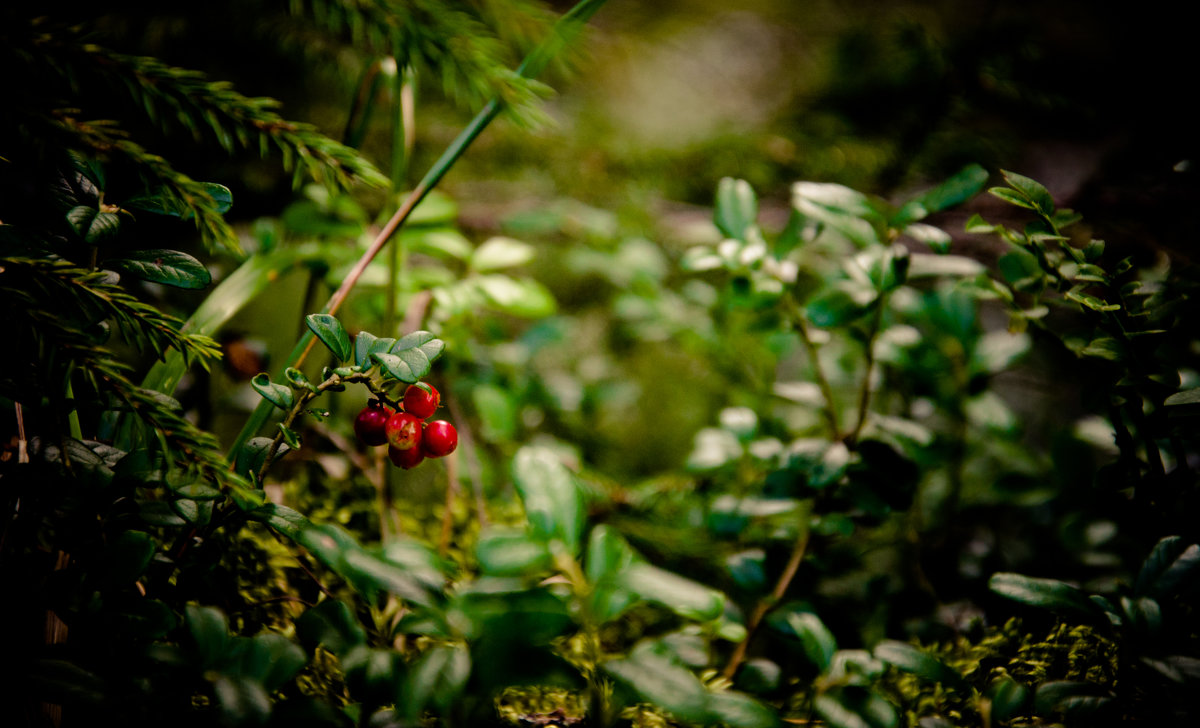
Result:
830,409
781,586
864,395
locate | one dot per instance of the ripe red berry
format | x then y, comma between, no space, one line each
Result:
439,439
403,431
420,402
370,424
406,459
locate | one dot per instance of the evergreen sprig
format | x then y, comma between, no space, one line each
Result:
51,303
473,47
83,296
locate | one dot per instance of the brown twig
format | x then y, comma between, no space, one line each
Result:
766,605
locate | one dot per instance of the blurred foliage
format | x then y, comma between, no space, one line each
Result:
735,449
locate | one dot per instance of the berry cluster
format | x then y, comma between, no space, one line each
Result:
410,439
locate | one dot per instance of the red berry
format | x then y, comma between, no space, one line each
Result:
439,439
403,431
370,424
406,459
419,402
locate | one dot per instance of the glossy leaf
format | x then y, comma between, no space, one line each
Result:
740,711
1056,596
500,252
550,496
1188,396
92,225
168,267
524,297
1031,191
511,553
912,660
736,208
816,639
658,680
364,342
683,596
1076,699
277,394
964,185
1168,567
209,631
331,333
1008,698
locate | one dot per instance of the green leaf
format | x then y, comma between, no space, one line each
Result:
977,225
1008,698
923,265
550,496
738,710
838,306
92,225
858,709
209,632
500,252
64,683
1011,197
683,596
284,660
608,554
1167,568
911,660
660,681
513,553
1071,698
1033,192
332,625
839,208
1188,396
331,333
436,680
524,297
816,639
736,207
168,267
364,344
1056,596
252,455
937,239
964,185
128,556
1090,301
289,436
410,358
277,394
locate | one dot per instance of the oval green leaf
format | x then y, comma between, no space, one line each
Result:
168,267
331,333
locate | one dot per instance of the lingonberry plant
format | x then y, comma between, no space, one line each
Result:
876,524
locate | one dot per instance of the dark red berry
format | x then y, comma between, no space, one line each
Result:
406,459
421,402
439,439
370,425
403,431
